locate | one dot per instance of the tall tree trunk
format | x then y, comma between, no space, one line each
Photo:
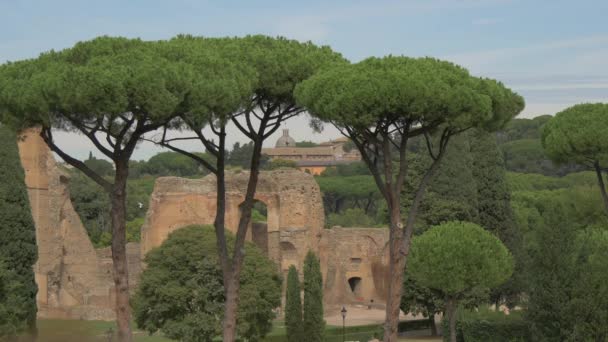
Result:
400,241
451,311
119,254
396,271
368,204
432,324
233,285
220,213
600,180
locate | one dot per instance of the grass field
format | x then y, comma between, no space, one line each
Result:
51,330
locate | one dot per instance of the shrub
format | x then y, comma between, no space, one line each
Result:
181,292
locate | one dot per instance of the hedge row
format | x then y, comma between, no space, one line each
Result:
486,326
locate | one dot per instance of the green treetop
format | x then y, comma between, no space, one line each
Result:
578,134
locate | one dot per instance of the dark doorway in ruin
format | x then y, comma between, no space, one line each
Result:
355,286
259,225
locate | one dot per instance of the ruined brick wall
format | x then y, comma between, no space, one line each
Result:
72,282
75,279
293,200
353,265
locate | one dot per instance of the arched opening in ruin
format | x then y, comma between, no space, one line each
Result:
259,224
355,286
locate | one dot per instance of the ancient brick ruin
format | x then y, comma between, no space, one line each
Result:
75,279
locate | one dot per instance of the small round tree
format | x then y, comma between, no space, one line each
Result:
578,134
181,292
456,259
293,307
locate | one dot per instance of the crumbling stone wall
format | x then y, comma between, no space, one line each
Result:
72,281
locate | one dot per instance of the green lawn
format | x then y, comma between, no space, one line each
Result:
55,330
52,330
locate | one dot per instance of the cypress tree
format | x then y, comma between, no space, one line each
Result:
494,206
18,251
552,273
452,195
313,299
293,307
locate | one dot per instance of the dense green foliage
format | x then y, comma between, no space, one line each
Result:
174,164
280,163
520,128
568,288
536,182
484,325
352,196
306,143
293,307
18,251
520,142
181,291
93,206
314,324
351,217
345,170
240,156
100,166
452,196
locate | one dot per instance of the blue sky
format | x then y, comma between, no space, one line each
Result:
554,53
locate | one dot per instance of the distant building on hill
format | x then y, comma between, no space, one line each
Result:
313,160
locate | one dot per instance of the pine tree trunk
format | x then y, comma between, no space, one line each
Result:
400,241
232,288
220,213
451,311
396,271
600,180
119,253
